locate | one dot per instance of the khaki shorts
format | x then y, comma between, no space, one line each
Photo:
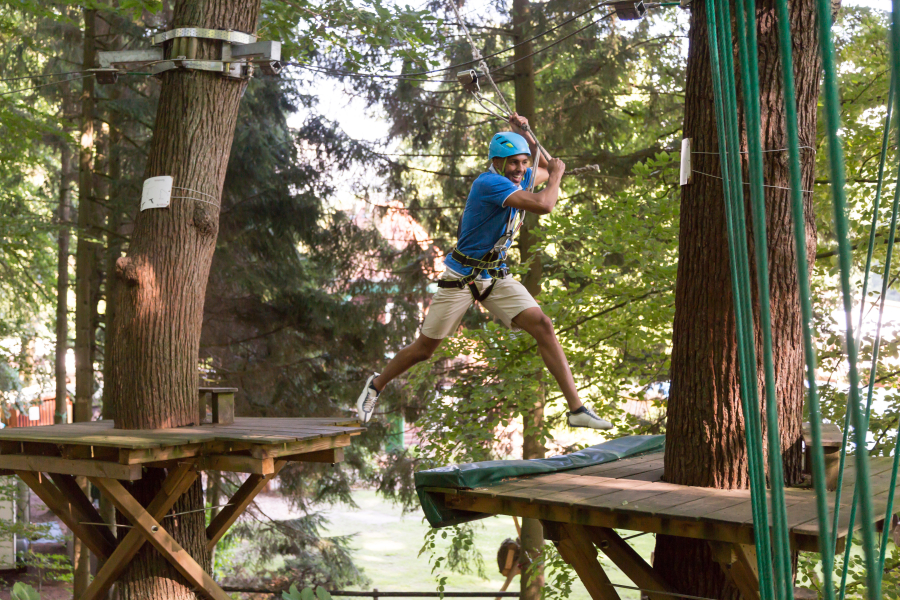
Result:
506,301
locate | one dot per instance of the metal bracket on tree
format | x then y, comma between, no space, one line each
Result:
239,53
628,10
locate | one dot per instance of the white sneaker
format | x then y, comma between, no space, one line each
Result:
585,417
365,405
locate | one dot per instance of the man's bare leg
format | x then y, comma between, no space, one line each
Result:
405,359
540,327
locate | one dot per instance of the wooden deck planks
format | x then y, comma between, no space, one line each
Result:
250,430
38,448
631,488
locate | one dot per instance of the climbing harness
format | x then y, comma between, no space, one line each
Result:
491,263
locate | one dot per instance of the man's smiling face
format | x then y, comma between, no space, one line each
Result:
515,167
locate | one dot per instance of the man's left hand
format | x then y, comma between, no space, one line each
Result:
517,122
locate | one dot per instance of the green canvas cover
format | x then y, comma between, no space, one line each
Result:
492,472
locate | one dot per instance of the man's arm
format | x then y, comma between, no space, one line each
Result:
542,202
538,161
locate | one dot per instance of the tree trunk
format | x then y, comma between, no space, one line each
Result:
531,582
153,363
705,444
114,241
62,276
85,266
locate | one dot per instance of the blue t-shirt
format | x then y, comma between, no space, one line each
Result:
485,217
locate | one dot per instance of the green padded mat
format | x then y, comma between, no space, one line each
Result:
492,472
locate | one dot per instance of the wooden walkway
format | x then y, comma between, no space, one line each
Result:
249,445
49,458
581,509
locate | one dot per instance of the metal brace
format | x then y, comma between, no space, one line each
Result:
232,37
628,10
239,53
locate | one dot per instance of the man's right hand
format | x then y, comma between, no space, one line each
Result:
556,167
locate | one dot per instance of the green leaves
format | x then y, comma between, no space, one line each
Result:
23,591
307,593
356,35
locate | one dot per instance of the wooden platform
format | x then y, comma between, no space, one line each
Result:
628,494
249,445
582,508
49,458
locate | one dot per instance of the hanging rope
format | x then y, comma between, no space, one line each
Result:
826,547
839,205
476,54
720,46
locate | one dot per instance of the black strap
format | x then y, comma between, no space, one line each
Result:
461,283
487,262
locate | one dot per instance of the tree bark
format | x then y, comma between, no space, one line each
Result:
114,242
85,267
153,363
705,444
62,275
531,582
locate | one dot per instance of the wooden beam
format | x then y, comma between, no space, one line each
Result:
331,456
73,493
630,562
69,514
738,561
175,484
577,550
238,504
299,447
133,456
237,463
160,538
81,468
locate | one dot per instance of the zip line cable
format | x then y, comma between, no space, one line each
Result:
559,41
34,87
466,63
41,76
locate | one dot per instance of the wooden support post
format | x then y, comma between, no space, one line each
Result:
95,537
160,538
238,503
331,456
738,561
221,402
73,493
630,562
577,550
175,484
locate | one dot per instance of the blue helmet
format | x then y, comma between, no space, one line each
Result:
508,144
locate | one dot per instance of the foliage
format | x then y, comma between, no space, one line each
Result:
23,591
809,570
306,593
453,548
309,558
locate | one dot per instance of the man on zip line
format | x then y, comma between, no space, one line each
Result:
475,270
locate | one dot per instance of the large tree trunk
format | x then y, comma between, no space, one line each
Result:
705,444
85,267
153,363
531,584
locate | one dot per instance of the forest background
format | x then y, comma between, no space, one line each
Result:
308,293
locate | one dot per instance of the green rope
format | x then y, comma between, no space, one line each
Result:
884,145
815,414
733,189
838,180
747,46
875,349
